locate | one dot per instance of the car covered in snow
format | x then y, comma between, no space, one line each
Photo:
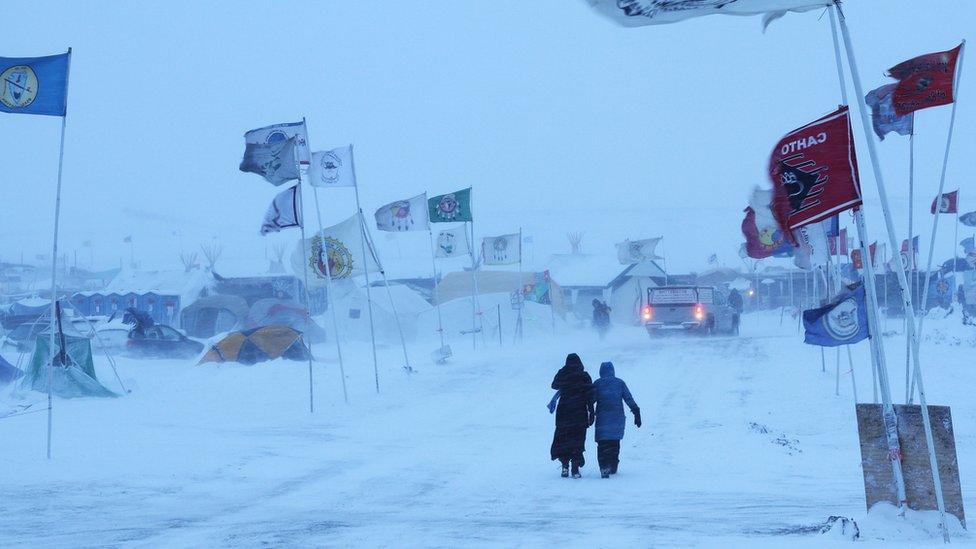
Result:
700,309
161,341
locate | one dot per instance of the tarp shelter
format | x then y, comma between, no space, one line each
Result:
209,316
76,379
258,345
353,313
283,312
8,372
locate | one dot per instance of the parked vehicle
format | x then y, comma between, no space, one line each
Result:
161,341
700,309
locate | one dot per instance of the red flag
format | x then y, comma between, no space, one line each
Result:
856,256
814,172
925,81
838,244
946,203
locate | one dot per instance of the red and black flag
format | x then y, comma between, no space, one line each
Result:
814,172
925,81
945,203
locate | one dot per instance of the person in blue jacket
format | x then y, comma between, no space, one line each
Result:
609,393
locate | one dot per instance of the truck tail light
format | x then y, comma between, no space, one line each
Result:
648,312
699,312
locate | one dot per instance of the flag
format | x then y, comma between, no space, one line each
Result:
763,235
814,172
332,168
842,322
452,243
338,250
906,263
638,13
34,85
968,219
925,81
275,162
404,215
947,203
538,289
282,132
283,212
812,243
713,259
883,115
127,240
969,248
637,251
838,244
451,207
858,261
501,250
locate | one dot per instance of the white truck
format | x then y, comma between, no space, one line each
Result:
699,309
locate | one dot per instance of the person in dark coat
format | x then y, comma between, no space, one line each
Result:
574,414
609,393
735,300
601,317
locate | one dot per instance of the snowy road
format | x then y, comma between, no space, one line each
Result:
743,441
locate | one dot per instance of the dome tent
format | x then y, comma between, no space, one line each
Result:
209,316
258,345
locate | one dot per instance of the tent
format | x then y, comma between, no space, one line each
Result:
283,312
76,379
209,316
8,372
258,345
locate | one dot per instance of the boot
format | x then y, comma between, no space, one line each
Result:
605,472
565,473
576,473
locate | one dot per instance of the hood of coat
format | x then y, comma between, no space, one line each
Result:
573,362
606,369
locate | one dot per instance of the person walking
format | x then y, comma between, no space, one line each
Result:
601,317
574,413
609,393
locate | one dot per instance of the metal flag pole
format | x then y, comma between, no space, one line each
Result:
54,260
389,294
902,281
437,300
935,221
369,296
328,277
474,280
308,308
911,252
521,300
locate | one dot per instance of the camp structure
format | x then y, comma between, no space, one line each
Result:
258,345
283,312
212,315
352,308
8,372
71,376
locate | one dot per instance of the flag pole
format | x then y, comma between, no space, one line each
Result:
308,308
521,297
475,299
389,294
935,222
911,252
902,281
331,296
437,301
369,296
54,260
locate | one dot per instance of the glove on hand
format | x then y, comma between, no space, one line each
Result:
637,418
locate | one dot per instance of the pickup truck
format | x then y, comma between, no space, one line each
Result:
700,309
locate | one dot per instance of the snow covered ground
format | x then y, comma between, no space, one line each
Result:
743,443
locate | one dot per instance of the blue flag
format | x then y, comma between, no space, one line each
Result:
34,85
843,322
883,115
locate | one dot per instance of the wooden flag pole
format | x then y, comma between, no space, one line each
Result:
54,262
369,295
902,281
935,221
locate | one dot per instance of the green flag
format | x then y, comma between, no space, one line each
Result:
451,207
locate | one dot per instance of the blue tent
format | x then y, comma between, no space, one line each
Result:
8,372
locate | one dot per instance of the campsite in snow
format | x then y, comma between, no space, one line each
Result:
601,273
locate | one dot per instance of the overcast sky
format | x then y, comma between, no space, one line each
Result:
558,119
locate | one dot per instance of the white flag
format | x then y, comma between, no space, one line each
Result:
340,248
452,243
501,250
332,168
637,13
283,212
283,132
813,249
636,251
404,215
